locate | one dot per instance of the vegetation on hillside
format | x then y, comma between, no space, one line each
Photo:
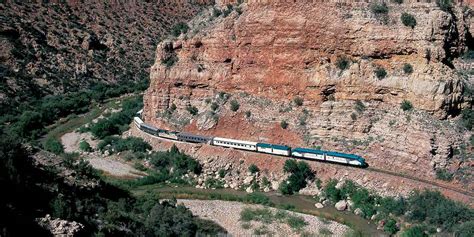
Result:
299,172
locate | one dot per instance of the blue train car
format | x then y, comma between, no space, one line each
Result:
307,153
344,158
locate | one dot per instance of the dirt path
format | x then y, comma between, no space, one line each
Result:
115,168
227,214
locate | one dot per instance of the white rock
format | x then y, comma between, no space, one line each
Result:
438,230
325,202
340,184
266,189
275,185
226,185
319,205
358,212
248,180
249,190
341,205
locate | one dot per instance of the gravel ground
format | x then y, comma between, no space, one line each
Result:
114,167
71,141
227,214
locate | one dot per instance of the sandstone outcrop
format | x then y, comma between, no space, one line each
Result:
272,53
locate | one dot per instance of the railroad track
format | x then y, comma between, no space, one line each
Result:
436,184
440,185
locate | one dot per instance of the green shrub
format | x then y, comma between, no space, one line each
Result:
214,106
192,110
258,198
444,174
342,63
170,60
391,226
414,231
216,12
222,173
354,116
180,28
379,8
325,232
54,146
332,193
468,55
465,229
248,114
406,105
253,169
284,124
300,173
444,5
380,73
467,118
359,106
234,105
85,146
264,215
298,101
408,20
398,1
296,222
407,68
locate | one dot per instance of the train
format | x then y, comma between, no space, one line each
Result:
273,149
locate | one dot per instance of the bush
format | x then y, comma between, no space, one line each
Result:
406,105
234,105
465,229
222,173
248,114
380,73
407,68
214,106
391,226
408,20
180,28
253,169
468,55
444,5
298,101
85,146
300,173
359,106
467,118
54,146
192,110
332,193
283,124
258,198
170,60
342,63
216,12
379,8
444,174
414,231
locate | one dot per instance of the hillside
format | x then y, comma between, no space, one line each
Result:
52,48
351,77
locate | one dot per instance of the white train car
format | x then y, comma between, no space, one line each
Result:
138,122
237,144
308,153
344,158
274,149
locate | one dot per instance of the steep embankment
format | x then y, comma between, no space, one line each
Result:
50,48
351,64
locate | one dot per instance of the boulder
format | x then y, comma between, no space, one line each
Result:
248,180
249,190
325,202
275,185
266,189
341,205
358,212
319,205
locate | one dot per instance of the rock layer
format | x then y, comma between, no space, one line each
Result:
273,53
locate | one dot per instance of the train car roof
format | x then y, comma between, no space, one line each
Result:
268,145
140,112
344,155
150,127
235,141
308,150
138,119
192,135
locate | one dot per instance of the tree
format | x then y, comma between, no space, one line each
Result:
359,106
444,5
300,173
332,193
85,146
408,20
380,73
391,226
466,229
234,105
214,106
54,146
298,101
407,68
253,169
406,105
342,63
415,231
192,110
284,124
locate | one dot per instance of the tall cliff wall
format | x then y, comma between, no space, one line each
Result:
273,53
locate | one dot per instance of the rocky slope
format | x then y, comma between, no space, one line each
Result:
263,55
60,47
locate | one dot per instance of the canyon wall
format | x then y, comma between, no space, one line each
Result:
263,56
